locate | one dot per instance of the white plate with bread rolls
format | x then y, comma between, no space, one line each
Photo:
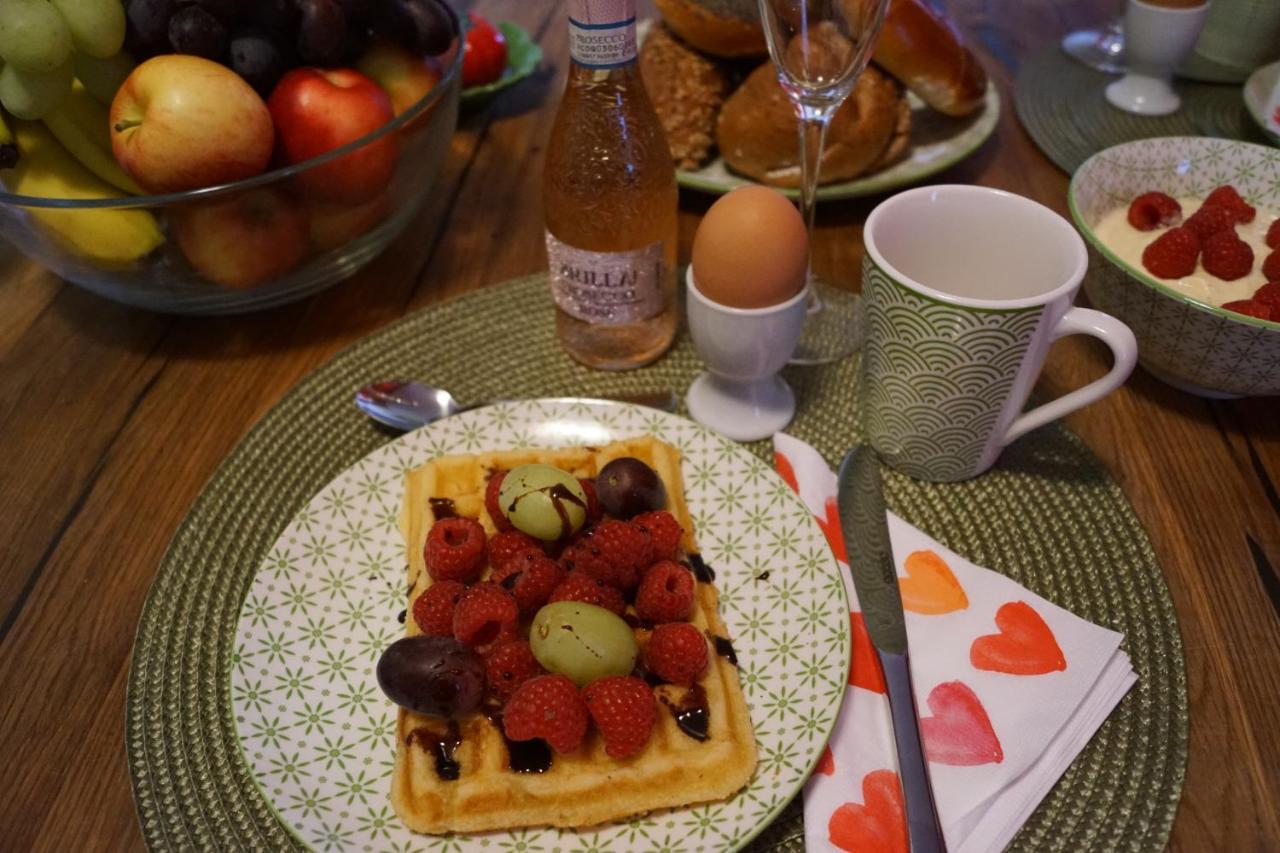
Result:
923,104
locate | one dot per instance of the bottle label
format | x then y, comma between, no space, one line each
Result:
606,288
602,33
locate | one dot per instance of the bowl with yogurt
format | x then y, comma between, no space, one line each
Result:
1216,335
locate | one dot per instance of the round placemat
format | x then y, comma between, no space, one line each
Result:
1061,104
1048,515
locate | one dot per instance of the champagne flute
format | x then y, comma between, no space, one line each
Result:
1102,48
819,48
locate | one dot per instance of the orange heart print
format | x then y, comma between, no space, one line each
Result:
1024,646
930,587
878,824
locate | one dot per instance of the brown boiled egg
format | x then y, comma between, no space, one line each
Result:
751,250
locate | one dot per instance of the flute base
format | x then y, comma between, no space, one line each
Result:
831,332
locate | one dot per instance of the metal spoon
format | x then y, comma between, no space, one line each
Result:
404,405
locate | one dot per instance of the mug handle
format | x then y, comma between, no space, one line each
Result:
1116,335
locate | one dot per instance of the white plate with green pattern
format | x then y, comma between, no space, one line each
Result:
317,733
937,142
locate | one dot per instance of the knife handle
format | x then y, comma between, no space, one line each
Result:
923,827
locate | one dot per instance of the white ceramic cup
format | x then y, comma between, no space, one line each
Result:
1157,39
964,289
741,395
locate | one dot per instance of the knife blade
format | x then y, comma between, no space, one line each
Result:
860,496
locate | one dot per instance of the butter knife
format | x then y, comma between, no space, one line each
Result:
866,534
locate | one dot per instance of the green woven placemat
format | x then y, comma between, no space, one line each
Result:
1049,516
1061,104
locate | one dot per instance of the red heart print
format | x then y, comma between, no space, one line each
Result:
786,471
864,668
959,732
829,521
879,824
826,764
1024,646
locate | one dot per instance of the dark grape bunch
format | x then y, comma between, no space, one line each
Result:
262,39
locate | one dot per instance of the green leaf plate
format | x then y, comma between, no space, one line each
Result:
523,56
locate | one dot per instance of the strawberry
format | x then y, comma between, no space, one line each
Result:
433,610
547,707
1152,209
1173,254
485,614
677,653
1226,256
455,550
665,593
623,710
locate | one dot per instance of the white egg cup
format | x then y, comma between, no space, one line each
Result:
741,396
1156,41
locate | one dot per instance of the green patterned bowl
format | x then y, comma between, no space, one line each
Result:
1188,344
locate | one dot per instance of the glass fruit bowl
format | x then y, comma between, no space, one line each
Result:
244,246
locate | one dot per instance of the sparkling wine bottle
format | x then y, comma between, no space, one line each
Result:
609,194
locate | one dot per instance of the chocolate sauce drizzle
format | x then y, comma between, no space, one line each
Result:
724,648
443,508
523,756
693,716
701,570
763,576
442,746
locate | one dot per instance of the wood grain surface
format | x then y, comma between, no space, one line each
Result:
112,419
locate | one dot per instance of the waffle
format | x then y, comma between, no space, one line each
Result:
586,787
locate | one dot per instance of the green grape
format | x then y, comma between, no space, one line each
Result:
30,96
543,501
33,36
97,26
582,641
103,77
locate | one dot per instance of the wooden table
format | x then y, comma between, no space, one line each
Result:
112,419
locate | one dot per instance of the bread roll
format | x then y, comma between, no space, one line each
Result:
921,49
758,137
687,90
728,28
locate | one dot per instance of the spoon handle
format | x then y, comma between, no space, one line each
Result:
665,400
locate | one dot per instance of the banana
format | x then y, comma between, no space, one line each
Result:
83,127
111,238
8,145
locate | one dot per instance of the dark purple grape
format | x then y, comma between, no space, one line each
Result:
194,31
423,26
437,676
148,27
255,57
227,11
358,11
322,32
627,487
275,16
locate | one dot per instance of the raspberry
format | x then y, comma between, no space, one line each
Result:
433,610
1227,256
594,514
613,551
530,577
1151,209
1209,220
1226,197
1269,295
1172,254
547,707
664,533
578,586
1273,235
1251,308
455,550
486,614
508,545
677,653
1271,266
623,710
508,665
491,506
665,593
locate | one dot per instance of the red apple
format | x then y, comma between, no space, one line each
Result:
181,122
334,225
243,240
402,74
317,110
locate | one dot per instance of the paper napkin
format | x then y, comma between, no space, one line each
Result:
1009,689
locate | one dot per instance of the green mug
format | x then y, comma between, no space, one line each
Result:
964,289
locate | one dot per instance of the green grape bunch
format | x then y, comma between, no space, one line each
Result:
42,42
